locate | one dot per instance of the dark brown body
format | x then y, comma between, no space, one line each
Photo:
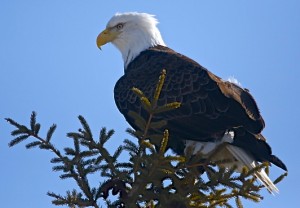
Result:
209,105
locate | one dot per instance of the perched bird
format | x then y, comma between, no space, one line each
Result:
213,112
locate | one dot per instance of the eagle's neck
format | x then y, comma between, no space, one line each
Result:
131,44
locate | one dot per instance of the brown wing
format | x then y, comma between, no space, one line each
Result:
209,106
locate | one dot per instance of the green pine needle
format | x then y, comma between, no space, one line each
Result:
33,144
50,132
17,140
164,142
159,86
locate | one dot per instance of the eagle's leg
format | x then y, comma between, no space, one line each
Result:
213,158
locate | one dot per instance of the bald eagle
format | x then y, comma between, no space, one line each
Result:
212,112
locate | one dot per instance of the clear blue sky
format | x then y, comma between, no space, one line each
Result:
49,63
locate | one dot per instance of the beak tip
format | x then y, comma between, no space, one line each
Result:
99,45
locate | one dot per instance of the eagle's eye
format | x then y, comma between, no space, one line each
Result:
119,26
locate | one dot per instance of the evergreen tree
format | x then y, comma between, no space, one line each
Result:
152,177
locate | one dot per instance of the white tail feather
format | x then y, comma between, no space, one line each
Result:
250,163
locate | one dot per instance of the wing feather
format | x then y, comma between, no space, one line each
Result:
209,105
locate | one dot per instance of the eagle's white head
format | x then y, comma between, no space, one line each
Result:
131,33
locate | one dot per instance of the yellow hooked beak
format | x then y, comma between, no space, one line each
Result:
106,36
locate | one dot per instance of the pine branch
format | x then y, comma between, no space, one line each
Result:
76,164
151,177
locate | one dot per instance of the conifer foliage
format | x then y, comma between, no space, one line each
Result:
152,177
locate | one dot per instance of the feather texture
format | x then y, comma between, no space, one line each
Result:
248,161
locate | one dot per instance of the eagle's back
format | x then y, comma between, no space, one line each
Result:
208,103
